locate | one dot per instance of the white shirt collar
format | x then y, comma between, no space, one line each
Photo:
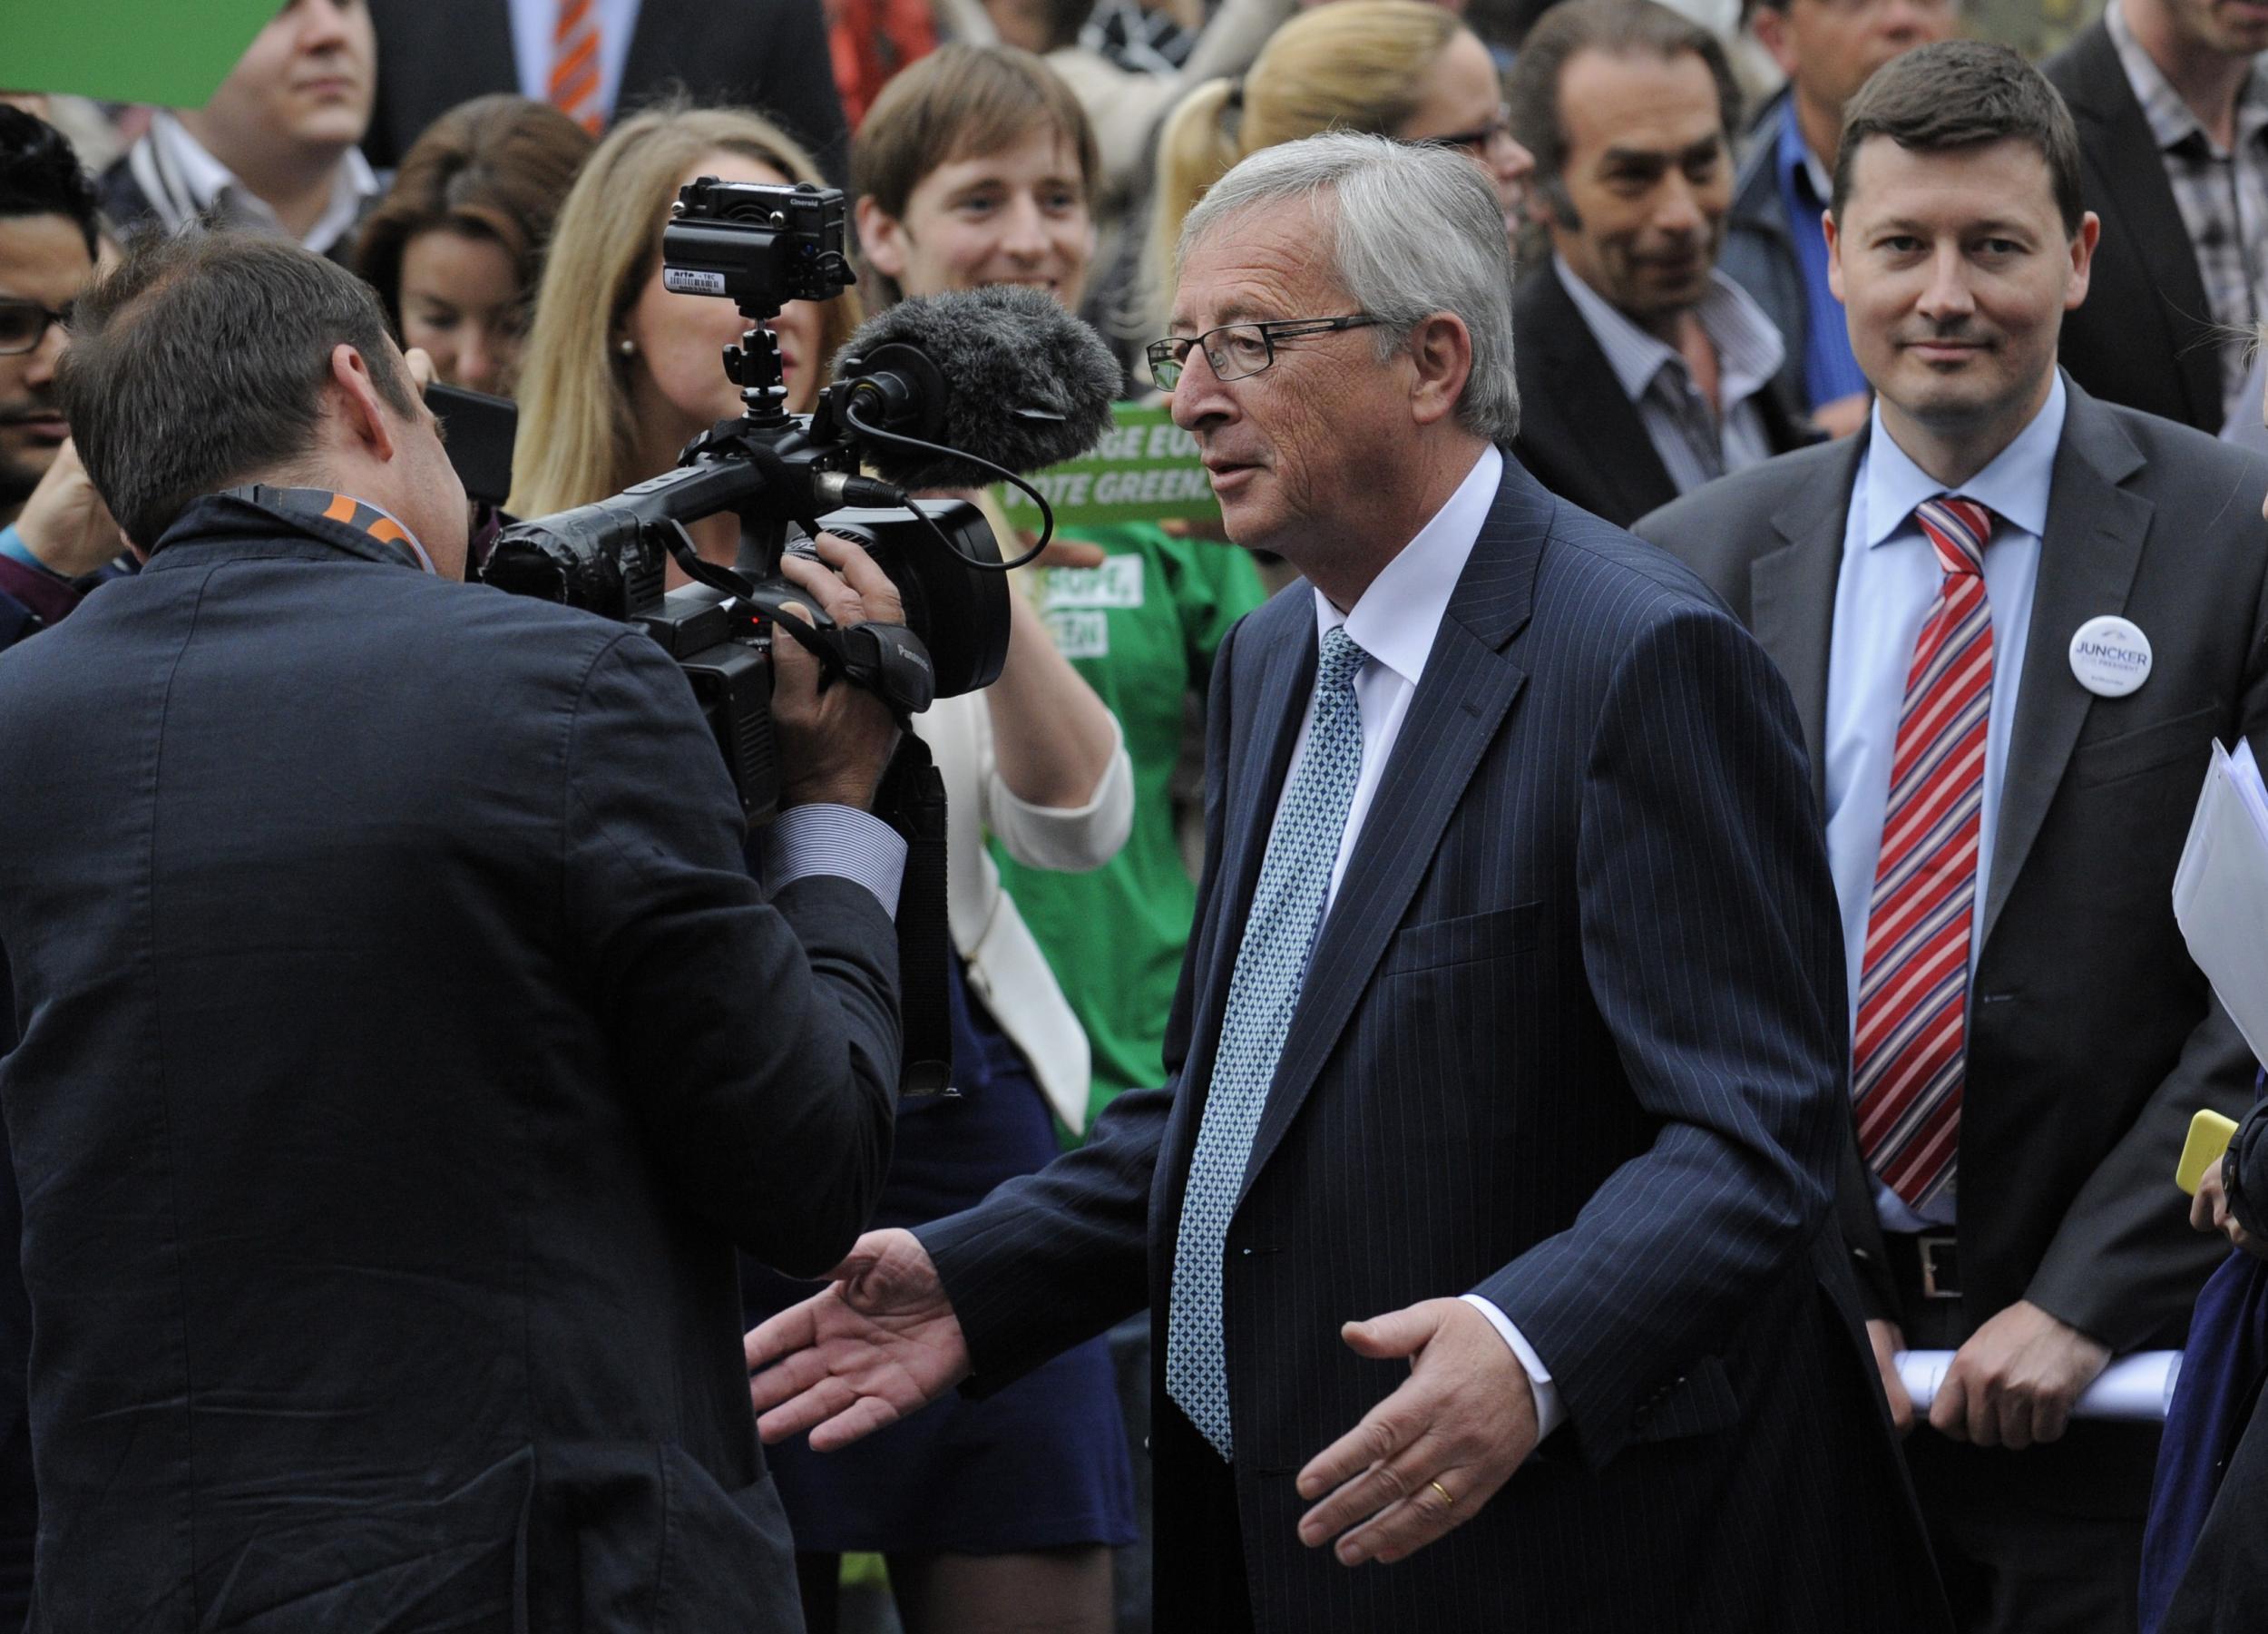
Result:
1401,613
209,183
2015,486
1748,345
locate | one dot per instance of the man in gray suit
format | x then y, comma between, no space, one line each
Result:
2014,619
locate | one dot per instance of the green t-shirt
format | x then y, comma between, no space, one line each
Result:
1142,628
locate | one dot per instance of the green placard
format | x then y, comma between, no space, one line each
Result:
1145,469
172,53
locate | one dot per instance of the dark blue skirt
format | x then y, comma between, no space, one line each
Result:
1043,1463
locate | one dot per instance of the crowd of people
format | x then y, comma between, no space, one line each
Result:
1494,991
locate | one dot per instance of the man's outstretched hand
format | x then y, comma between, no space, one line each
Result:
876,1344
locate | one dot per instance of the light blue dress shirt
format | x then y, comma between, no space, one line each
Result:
533,22
1889,581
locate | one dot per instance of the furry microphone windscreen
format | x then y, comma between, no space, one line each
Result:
1000,349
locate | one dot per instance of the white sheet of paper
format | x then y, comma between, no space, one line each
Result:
2135,1388
2221,890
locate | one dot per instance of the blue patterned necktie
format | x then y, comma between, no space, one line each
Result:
1263,992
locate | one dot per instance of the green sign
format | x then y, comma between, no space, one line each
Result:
1145,469
172,53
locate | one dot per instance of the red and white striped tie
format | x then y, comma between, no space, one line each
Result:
1910,1051
575,65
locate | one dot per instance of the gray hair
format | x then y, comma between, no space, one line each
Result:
1413,230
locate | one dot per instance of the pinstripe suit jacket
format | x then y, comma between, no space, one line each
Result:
1571,1038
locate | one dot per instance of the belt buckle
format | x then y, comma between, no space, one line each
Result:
1941,1266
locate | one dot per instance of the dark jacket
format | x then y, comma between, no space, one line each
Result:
2145,335
1580,435
2081,978
1554,1049
405,1052
2227,1580
770,56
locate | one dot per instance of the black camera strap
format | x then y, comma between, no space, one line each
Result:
912,800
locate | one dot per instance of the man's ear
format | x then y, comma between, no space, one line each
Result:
882,236
1770,27
1441,348
1834,252
361,410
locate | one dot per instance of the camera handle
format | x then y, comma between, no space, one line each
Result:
885,658
889,660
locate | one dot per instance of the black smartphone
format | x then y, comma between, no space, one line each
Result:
480,429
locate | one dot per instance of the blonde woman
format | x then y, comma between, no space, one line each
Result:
619,372
1384,67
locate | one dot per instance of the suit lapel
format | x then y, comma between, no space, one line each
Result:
1258,758
1462,699
2141,206
1599,428
1792,599
2096,531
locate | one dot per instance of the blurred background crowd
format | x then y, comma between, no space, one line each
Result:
500,171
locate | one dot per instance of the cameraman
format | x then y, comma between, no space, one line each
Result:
405,1050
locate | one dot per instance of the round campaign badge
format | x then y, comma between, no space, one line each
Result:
2111,656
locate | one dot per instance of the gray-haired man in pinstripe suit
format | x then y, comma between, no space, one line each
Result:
1485,1219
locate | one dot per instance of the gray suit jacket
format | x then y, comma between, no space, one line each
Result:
2092,1037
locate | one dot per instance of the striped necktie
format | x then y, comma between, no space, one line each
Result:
575,87
1909,1050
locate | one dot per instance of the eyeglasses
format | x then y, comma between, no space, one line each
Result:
24,324
1477,141
1237,350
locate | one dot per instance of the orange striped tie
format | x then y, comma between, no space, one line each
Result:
575,65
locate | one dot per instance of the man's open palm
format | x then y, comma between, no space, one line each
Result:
876,1344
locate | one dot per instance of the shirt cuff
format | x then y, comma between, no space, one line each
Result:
25,578
841,840
1550,1411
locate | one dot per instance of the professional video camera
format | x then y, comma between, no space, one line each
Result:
1010,371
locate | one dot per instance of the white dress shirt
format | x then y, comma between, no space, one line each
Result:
1694,443
182,181
533,25
1394,623
1889,581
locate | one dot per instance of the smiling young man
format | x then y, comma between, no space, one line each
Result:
1645,371
2015,619
274,149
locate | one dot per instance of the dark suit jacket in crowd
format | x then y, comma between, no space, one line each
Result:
2227,1583
1580,435
770,56
2145,335
405,1052
1570,1038
2092,1037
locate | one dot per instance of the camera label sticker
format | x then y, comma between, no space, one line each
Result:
687,281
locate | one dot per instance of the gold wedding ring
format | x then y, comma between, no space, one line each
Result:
1443,1491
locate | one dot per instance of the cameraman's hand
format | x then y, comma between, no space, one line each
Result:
835,746
64,522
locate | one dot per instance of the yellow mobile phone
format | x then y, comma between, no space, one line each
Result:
2209,1134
